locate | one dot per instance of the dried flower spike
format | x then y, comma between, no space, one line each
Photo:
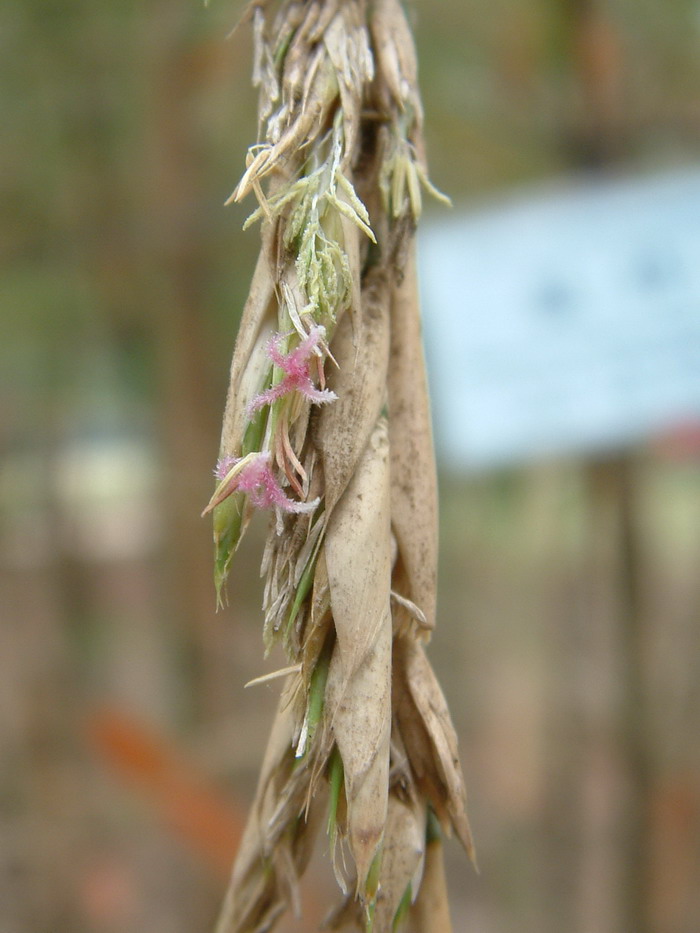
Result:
362,743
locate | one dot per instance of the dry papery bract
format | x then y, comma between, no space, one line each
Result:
327,425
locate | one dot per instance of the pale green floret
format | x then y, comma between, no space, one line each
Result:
228,516
323,273
313,195
315,204
273,206
400,181
322,265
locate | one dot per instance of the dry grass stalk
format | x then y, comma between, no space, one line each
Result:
327,424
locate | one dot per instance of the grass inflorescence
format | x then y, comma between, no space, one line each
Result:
327,427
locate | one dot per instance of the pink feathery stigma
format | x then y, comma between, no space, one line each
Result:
295,366
223,465
257,480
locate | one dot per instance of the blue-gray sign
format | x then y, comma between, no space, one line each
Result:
565,321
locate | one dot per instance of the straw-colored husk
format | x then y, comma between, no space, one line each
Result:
327,424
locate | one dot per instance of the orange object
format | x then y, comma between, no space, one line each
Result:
204,818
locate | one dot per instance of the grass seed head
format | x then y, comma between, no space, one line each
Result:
327,425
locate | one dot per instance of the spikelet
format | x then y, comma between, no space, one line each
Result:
327,425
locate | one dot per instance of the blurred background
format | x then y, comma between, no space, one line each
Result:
568,643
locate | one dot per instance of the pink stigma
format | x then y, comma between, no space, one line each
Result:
258,481
223,465
295,366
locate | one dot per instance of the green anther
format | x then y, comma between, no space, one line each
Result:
433,831
372,881
317,692
305,582
252,439
303,590
403,908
